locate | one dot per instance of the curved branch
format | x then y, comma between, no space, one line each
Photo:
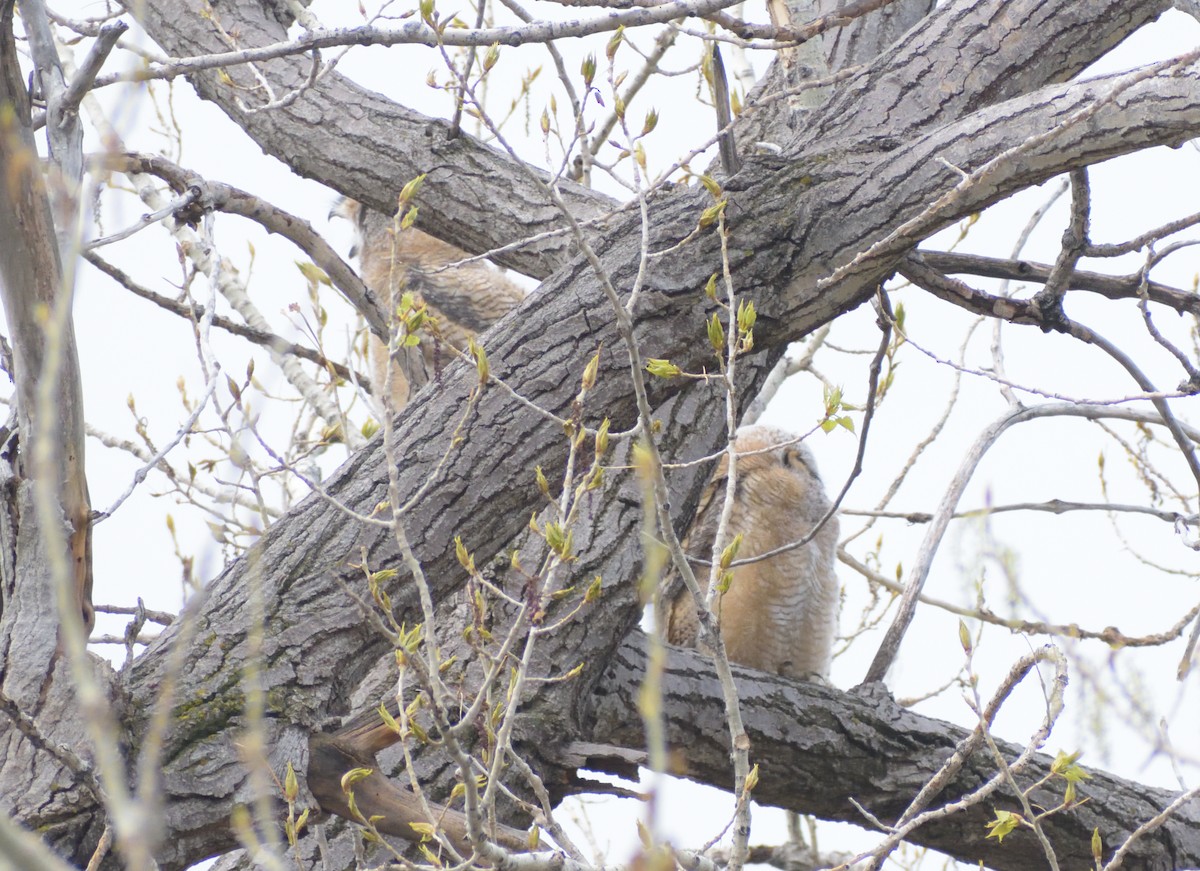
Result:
890,645
226,198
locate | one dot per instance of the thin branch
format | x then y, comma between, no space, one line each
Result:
85,76
195,312
890,645
1053,506
1109,286
884,322
1049,299
226,198
1110,635
1149,826
913,818
1186,445
420,33
182,201
1118,249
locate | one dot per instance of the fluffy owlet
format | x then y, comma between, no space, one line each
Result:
779,615
464,300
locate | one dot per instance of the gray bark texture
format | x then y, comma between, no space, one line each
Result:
813,232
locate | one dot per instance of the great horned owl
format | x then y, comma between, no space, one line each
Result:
464,300
779,615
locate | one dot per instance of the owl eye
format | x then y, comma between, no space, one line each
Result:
796,459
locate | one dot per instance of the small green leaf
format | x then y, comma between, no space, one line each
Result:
463,555
662,368
643,835
711,185
1004,824
430,855
388,719
353,776
425,830
725,582
614,42
602,438
558,539
411,188
589,372
751,780
491,57
481,361
746,316
710,215
1064,766
291,789
729,554
313,273
716,334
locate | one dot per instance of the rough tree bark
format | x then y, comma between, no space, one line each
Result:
812,234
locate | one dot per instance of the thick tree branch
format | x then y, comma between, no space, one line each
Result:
951,44
479,199
809,738
368,147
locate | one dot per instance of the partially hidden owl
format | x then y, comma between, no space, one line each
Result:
779,614
464,300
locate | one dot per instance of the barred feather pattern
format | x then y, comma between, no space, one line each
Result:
780,614
465,300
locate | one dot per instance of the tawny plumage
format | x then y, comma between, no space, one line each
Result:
780,614
464,300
